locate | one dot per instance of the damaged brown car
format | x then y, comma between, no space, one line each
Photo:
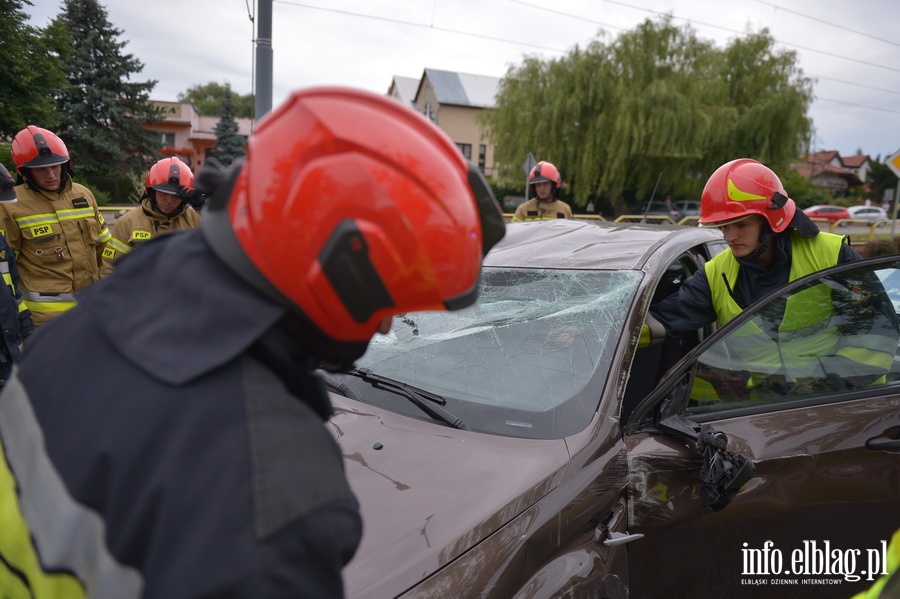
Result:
531,446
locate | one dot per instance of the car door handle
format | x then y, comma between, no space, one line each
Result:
883,443
620,538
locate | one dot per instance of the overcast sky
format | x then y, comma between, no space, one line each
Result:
851,49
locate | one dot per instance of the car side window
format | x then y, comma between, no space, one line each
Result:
836,333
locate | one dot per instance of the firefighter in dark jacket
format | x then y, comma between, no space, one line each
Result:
15,317
183,452
770,243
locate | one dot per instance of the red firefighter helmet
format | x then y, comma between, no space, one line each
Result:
350,207
544,171
168,174
36,147
743,187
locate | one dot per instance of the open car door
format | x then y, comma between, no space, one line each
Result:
770,456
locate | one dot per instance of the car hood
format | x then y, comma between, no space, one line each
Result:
428,492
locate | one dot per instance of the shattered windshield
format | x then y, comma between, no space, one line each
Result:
530,359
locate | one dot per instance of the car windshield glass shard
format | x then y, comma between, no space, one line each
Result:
529,359
837,333
426,401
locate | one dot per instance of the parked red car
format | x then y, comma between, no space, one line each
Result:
832,213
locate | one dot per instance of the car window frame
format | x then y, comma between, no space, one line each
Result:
667,401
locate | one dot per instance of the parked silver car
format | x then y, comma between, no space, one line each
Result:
871,214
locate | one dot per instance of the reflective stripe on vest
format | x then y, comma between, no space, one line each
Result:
51,546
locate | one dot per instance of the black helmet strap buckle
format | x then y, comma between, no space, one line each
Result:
778,200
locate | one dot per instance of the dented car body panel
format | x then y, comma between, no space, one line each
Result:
560,471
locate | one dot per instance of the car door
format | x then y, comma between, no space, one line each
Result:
770,456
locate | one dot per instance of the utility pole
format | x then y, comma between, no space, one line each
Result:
263,103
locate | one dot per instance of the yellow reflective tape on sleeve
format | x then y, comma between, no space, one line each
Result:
105,235
19,557
119,246
46,536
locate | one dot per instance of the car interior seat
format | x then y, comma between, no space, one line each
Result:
652,362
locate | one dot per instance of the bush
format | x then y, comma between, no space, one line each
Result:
881,247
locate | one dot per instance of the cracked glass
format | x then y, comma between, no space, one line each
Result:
529,359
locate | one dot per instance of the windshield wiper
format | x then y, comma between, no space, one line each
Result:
428,402
337,386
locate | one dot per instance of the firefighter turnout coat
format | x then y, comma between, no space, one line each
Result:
164,457
535,209
142,224
58,238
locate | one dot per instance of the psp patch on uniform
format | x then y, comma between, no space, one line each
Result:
139,235
41,231
109,252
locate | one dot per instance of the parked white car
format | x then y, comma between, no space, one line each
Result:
872,214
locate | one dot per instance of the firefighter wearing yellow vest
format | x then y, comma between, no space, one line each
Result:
55,227
165,208
543,183
770,243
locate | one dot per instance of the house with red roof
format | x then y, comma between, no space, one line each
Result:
833,172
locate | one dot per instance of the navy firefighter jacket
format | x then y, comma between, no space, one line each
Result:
162,457
15,317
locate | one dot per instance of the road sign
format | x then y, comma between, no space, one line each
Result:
530,163
893,163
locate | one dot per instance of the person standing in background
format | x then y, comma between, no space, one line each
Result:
544,182
164,208
55,227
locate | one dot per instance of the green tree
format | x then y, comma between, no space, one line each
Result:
209,99
102,111
229,143
657,103
880,178
30,72
803,191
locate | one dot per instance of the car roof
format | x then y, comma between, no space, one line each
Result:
575,244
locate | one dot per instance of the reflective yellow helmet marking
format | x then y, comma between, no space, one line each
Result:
738,195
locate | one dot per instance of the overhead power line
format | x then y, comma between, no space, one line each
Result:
823,21
582,19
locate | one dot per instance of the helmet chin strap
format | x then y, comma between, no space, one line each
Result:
766,236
